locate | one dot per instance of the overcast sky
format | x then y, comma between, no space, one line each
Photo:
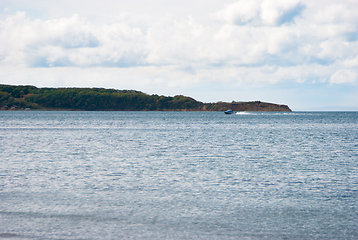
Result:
300,53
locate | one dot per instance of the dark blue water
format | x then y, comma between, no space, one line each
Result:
178,175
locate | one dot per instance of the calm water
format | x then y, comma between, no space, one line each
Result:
178,175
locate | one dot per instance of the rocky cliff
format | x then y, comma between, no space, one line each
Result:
248,106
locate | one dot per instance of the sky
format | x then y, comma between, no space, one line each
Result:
300,53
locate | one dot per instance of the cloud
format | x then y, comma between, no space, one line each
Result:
344,76
280,12
240,13
68,42
261,12
258,41
335,13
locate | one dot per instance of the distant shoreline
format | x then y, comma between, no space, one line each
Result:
101,99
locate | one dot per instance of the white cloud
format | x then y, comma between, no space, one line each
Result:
344,76
350,62
280,11
248,43
241,12
68,42
261,12
337,12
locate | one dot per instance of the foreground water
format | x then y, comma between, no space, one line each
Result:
178,175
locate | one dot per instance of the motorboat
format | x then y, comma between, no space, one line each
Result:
229,111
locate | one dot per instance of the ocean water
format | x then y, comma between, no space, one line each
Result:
178,175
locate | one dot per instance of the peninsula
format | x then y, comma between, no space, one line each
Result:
101,99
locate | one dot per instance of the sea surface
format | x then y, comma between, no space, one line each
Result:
178,175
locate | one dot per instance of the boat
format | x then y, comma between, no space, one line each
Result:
229,111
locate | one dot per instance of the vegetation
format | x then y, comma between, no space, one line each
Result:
91,99
100,99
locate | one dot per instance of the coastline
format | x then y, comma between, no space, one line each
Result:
100,99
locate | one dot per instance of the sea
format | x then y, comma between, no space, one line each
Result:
178,175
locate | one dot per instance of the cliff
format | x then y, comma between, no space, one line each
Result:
248,106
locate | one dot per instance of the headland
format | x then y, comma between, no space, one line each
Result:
100,99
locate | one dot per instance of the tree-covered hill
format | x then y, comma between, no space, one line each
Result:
91,99
100,99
